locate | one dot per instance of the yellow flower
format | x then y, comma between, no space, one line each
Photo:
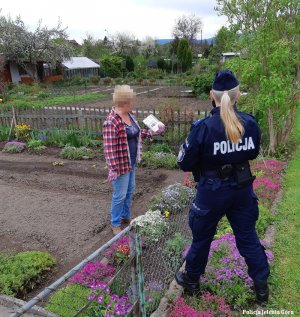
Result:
166,213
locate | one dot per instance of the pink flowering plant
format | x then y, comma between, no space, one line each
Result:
92,274
267,183
206,305
119,252
188,180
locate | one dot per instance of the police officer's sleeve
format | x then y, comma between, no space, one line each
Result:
190,151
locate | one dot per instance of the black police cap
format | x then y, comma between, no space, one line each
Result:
225,80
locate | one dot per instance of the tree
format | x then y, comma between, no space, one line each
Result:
184,55
93,48
112,65
129,64
225,40
123,43
27,48
270,32
2,67
187,27
148,47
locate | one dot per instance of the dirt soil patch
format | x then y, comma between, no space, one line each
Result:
63,210
151,97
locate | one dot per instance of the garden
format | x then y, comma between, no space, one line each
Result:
56,197
63,171
227,289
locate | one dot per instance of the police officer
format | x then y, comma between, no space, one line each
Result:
217,151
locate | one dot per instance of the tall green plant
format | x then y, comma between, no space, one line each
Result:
184,55
271,65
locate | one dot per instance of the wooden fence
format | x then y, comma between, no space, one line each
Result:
92,118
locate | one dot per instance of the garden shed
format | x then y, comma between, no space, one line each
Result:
80,66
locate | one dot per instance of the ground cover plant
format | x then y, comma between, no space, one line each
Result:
21,272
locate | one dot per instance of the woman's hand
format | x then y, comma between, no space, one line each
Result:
112,175
161,128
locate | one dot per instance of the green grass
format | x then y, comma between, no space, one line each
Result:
29,101
285,274
21,272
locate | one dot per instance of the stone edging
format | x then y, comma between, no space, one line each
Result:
15,303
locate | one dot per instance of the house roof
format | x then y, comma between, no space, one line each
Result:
80,62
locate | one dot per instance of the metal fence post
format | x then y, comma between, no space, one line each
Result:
133,270
139,265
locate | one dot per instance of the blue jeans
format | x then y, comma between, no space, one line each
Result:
123,188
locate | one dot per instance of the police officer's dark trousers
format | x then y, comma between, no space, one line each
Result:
214,199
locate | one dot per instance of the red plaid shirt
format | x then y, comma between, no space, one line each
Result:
116,149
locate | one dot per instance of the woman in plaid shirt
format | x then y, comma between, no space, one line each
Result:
122,141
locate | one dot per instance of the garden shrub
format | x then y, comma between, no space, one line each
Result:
4,133
201,83
36,145
22,132
264,220
95,80
174,198
14,147
159,160
152,226
72,139
21,272
73,153
160,147
173,250
112,65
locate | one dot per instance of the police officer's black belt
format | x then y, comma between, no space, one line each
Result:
240,172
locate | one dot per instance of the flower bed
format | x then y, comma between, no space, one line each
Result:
226,277
267,182
206,305
14,147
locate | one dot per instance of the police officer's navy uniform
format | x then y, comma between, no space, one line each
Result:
215,163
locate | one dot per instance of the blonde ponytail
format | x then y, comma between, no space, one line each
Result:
233,126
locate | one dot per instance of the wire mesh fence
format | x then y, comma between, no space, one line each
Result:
128,275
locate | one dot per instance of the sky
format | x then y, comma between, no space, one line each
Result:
155,18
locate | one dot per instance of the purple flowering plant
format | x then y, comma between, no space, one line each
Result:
95,276
226,272
14,147
107,304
